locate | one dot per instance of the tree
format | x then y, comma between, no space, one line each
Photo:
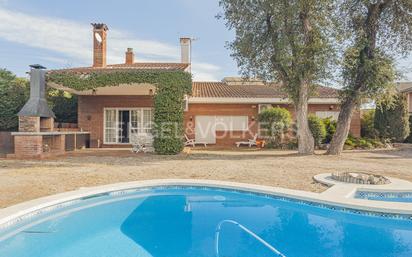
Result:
64,105
286,41
392,119
14,93
377,31
276,121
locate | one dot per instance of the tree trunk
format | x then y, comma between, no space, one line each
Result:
306,143
345,116
342,127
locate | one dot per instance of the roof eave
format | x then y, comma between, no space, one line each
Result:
257,100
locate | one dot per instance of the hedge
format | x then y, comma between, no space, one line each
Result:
391,119
171,86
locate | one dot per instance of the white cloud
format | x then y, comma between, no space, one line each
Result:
205,72
74,40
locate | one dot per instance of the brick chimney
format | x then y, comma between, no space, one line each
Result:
185,45
129,56
99,44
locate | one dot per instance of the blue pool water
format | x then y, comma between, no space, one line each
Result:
183,222
403,197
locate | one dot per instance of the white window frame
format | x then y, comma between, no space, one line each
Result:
141,109
115,126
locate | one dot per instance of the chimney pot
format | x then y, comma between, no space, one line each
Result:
129,56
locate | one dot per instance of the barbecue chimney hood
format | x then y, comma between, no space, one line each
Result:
37,106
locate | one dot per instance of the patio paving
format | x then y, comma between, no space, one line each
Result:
22,180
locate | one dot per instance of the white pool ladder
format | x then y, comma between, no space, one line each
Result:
261,240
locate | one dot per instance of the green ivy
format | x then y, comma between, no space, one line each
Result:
171,86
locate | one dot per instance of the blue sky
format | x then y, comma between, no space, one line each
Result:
57,34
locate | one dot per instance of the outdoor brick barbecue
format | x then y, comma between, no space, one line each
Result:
36,137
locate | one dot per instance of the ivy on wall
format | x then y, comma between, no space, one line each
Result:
171,86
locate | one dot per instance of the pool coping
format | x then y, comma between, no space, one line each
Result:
329,197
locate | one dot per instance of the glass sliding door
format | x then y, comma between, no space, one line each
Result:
136,121
110,126
121,124
147,121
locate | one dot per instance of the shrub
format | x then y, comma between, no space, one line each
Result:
367,124
391,119
318,129
362,143
276,122
330,126
14,93
292,144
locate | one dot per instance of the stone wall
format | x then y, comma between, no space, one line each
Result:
29,124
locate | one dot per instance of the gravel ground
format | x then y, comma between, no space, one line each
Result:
22,180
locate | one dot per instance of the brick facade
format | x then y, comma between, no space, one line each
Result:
91,116
250,110
223,138
91,113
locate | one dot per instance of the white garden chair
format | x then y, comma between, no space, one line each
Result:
250,142
193,142
139,143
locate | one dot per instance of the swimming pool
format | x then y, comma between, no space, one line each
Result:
179,221
404,197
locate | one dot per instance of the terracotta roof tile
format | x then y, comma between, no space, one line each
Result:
404,86
270,90
134,66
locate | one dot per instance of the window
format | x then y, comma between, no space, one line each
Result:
147,121
328,114
110,126
136,121
120,124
